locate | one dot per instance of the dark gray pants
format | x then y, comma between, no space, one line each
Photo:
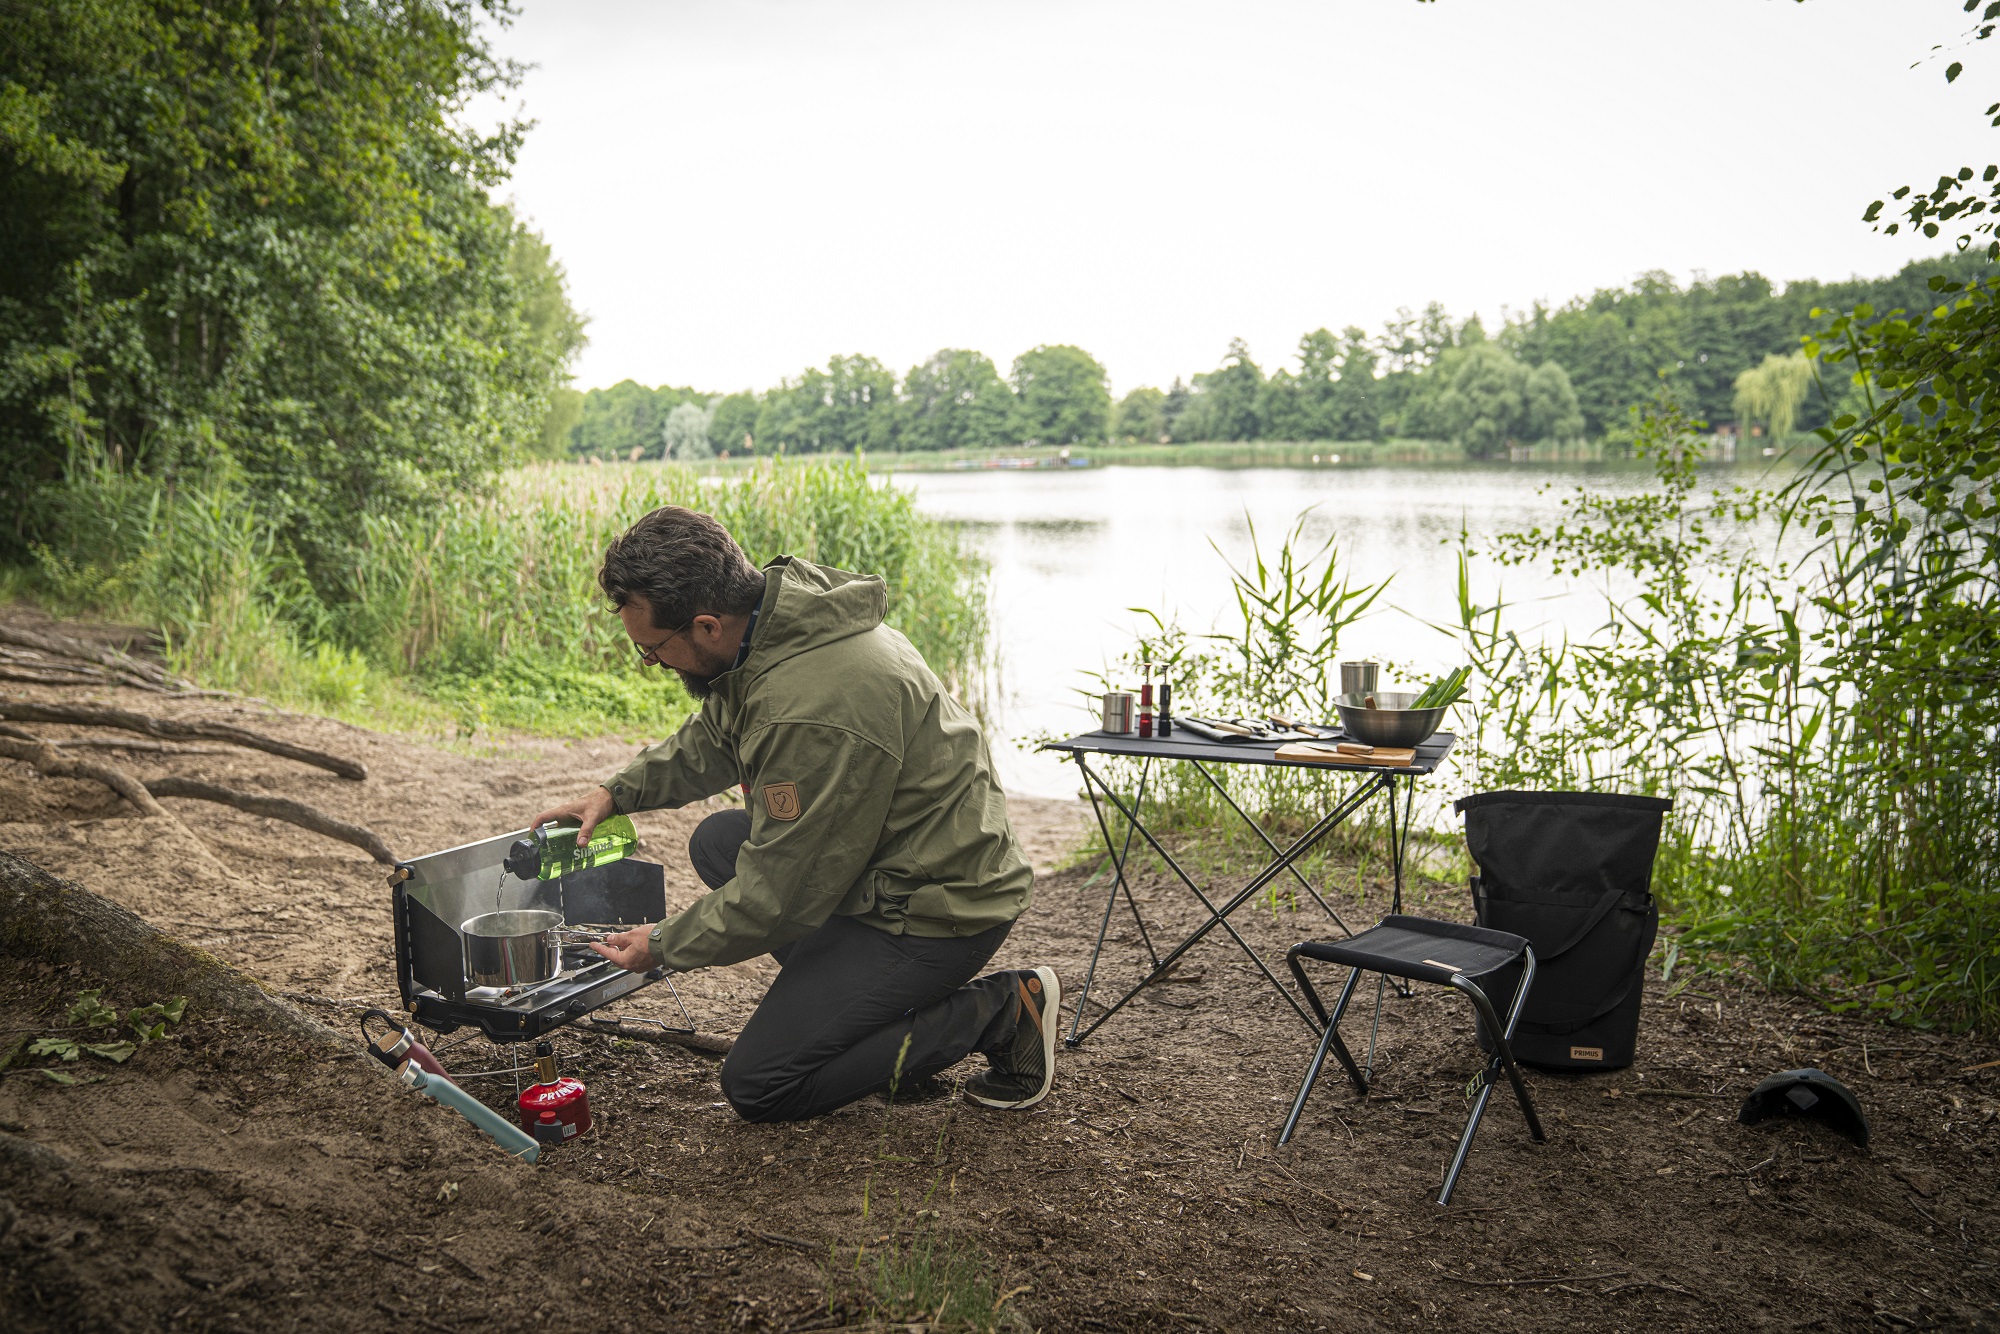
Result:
848,997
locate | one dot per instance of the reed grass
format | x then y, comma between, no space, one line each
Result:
484,614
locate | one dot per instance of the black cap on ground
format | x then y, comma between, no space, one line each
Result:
1808,1092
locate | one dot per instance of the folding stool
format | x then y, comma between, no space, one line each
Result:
1423,950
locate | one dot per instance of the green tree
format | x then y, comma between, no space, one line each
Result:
955,400
543,284
1301,407
1773,392
559,426
685,434
851,405
1175,405
859,411
1485,407
254,242
1061,396
1551,410
1142,416
626,417
1227,403
1354,410
732,426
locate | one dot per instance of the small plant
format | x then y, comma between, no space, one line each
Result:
931,1278
92,1031
941,1281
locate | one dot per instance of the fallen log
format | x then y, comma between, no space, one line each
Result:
177,729
276,808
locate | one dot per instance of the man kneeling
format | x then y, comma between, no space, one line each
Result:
873,859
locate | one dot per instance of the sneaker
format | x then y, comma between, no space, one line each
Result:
909,1092
1025,1068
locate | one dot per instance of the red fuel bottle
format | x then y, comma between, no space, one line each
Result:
553,1109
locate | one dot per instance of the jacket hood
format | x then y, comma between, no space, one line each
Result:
806,606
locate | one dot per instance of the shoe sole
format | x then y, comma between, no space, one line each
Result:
1051,1023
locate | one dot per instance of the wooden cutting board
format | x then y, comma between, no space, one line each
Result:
1323,752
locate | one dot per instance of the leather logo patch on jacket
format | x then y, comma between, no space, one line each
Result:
781,801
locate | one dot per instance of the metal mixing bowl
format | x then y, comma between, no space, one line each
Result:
1392,723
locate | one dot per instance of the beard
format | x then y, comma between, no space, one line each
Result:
701,687
701,684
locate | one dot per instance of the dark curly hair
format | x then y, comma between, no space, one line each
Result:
684,564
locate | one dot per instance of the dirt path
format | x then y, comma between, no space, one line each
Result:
1146,1191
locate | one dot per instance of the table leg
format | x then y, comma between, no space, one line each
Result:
1219,916
1258,830
1399,839
1090,785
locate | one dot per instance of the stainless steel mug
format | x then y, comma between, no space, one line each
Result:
1118,712
1358,678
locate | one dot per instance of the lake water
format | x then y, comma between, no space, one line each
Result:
1071,552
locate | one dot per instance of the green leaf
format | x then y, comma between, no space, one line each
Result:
116,1052
90,1009
1953,70
65,1048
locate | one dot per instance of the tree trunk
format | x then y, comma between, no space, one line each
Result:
44,917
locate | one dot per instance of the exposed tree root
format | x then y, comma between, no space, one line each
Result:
52,651
276,808
44,917
52,763
48,759
177,729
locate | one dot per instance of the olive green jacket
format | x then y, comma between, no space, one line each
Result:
871,791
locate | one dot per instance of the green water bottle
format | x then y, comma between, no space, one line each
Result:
552,854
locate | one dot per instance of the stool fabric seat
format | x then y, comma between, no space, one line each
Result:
1421,949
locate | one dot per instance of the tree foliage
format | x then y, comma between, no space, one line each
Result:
685,434
253,240
1061,396
955,400
1773,392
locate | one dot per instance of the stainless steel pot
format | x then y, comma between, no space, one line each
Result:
513,948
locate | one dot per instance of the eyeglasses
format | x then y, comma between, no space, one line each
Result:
649,654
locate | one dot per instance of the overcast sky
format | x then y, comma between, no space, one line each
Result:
741,189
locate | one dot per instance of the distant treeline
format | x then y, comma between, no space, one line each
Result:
1723,348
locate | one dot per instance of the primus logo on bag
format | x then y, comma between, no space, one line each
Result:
1586,1053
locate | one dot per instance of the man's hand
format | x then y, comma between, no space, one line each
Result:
630,950
585,810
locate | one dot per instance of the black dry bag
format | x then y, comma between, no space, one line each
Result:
1573,872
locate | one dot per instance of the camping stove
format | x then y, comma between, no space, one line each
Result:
431,896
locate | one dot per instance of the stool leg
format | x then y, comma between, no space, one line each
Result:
1505,1046
1305,1087
1330,1041
1488,1076
1465,1142
1375,1026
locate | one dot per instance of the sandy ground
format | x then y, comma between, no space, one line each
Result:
1146,1191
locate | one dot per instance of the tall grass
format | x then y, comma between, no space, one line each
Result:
489,607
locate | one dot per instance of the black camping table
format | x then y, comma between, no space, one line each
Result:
1202,753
